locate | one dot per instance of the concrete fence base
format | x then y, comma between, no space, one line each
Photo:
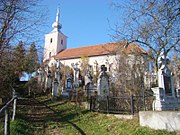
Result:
160,120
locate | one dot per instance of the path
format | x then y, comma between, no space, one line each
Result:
37,113
46,116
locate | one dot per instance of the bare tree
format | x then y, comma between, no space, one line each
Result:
20,20
84,65
128,75
153,24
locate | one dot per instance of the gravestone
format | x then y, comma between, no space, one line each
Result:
103,82
76,74
58,69
165,92
41,77
55,88
48,80
68,86
89,87
69,83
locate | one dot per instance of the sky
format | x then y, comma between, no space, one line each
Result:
84,22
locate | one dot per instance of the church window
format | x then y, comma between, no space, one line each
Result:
51,40
61,42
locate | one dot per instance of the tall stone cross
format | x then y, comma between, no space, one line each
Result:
76,74
165,76
163,59
103,69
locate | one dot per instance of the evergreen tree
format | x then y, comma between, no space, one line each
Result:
31,60
19,59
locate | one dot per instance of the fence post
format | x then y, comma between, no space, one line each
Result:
14,104
90,103
132,105
7,122
144,100
107,105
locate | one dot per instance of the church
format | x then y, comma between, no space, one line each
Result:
117,61
55,49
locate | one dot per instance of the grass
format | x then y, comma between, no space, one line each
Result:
64,118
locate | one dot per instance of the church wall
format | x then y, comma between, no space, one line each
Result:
105,59
62,42
50,45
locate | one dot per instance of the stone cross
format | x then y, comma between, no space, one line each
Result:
165,93
76,74
48,79
103,82
163,60
103,69
57,72
165,76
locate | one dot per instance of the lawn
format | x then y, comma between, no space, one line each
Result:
41,116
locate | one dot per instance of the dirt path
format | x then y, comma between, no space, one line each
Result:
37,113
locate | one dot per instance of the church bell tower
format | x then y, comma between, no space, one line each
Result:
55,41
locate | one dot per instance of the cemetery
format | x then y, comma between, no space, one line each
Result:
119,87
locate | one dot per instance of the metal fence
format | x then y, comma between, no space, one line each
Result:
120,105
5,109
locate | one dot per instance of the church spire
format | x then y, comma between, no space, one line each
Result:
57,15
57,25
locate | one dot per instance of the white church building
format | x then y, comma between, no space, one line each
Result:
55,49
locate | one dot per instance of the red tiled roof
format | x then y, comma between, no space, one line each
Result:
96,50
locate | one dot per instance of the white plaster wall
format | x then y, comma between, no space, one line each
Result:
100,60
160,120
56,45
59,45
50,47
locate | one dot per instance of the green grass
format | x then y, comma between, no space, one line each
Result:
1,126
68,119
21,127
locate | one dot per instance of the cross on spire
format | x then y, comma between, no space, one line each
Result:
57,25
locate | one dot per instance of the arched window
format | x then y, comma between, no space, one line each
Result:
61,42
51,40
50,55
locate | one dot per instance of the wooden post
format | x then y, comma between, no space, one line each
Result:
7,122
132,105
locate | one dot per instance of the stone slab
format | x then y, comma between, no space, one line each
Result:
160,120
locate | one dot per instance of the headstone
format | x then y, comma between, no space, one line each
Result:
165,92
57,73
68,86
68,83
48,80
76,74
55,88
103,82
88,84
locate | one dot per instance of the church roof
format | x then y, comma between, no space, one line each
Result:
97,50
